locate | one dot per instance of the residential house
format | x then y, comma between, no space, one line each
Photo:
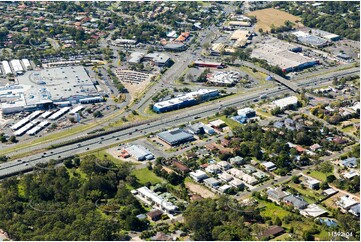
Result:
278,124
155,214
198,175
225,177
315,147
276,194
313,210
211,147
248,169
213,169
224,165
300,149
224,188
249,179
236,173
339,140
269,166
296,201
237,160
349,162
313,183
350,174
259,175
355,210
236,183
346,202
160,236
212,182
272,231
329,192
180,167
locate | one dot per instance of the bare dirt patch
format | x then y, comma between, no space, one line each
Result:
200,190
267,17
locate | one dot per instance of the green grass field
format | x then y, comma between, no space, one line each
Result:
230,122
144,175
319,175
264,114
282,237
272,210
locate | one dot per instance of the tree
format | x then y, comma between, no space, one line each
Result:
3,158
330,178
278,221
12,139
97,114
324,185
2,138
295,179
307,236
326,167
302,138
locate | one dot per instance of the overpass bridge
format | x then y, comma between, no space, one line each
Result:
290,85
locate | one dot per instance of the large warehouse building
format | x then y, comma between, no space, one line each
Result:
175,137
17,67
6,67
279,53
186,100
47,88
139,153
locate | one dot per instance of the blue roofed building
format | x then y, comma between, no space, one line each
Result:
355,210
240,119
186,100
350,162
246,112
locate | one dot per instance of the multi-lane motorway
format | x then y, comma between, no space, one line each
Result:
175,119
15,167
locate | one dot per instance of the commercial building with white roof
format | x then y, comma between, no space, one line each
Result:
17,67
39,127
186,100
139,152
224,78
279,53
26,64
285,102
49,87
6,67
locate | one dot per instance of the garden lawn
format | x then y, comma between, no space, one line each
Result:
144,175
308,193
272,210
319,175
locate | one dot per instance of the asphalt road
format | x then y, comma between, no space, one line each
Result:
184,116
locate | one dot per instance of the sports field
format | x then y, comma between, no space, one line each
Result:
267,17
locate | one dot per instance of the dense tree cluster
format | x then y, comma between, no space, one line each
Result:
218,219
339,17
70,204
264,144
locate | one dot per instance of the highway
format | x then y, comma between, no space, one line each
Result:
31,162
181,117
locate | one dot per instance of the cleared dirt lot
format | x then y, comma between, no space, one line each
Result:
267,17
200,190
